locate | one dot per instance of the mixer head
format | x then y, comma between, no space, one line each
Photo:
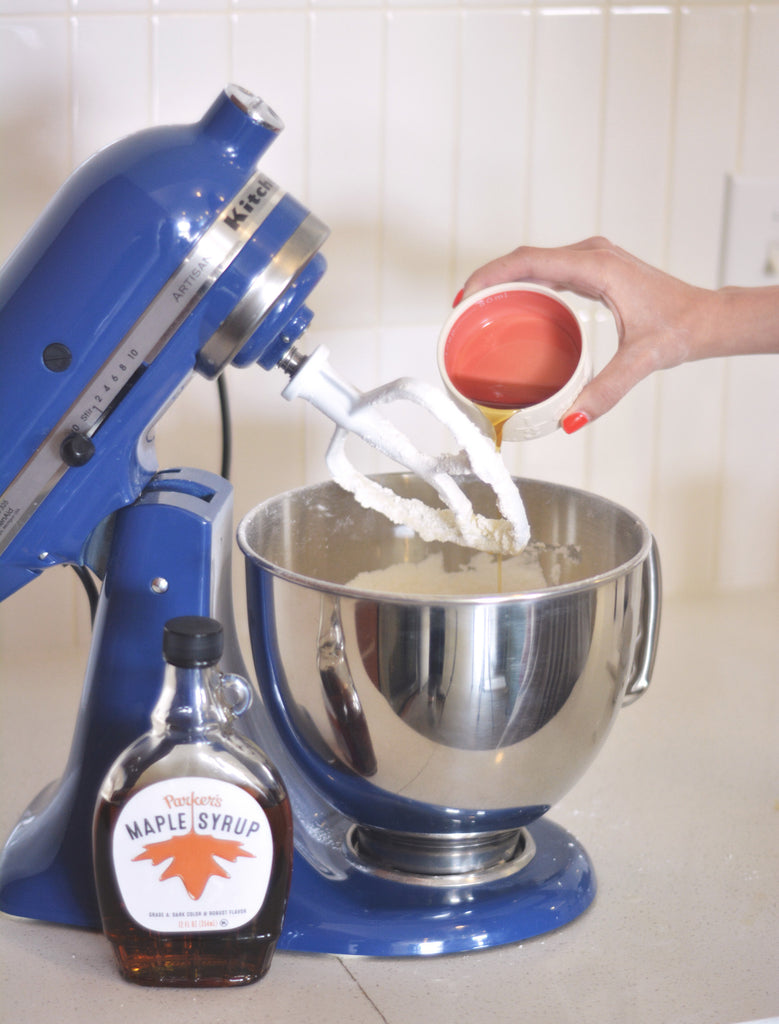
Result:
169,252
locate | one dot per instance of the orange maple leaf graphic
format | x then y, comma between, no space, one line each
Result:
193,859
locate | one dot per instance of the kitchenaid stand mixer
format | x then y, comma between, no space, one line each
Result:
171,252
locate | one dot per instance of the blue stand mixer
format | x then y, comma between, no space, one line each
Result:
171,253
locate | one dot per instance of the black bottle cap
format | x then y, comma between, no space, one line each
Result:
192,640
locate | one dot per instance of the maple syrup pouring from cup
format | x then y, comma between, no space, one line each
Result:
507,350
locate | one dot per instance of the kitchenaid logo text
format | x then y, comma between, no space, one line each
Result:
249,202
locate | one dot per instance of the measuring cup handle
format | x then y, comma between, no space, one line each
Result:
646,646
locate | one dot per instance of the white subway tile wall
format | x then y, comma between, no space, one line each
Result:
431,136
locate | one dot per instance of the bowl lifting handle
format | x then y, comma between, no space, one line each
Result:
646,645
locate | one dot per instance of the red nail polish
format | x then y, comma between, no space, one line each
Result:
458,298
575,421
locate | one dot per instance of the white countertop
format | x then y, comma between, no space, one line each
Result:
679,813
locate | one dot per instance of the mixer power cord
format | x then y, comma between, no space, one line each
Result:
227,430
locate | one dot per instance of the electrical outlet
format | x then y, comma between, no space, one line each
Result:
750,240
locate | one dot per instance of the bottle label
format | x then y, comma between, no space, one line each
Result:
192,855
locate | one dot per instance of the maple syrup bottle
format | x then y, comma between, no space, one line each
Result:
193,831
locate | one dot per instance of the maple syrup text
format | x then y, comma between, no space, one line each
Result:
229,824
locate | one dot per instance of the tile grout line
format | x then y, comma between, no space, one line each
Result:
362,990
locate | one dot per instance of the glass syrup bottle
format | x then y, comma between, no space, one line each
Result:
193,831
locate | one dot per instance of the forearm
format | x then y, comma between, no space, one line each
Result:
739,321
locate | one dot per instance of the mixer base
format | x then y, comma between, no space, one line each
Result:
367,915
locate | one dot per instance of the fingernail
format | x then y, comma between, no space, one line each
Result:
575,421
458,298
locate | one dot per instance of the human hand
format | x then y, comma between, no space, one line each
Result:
661,321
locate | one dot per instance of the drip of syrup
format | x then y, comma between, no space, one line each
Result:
498,419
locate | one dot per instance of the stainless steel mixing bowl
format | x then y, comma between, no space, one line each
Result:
440,714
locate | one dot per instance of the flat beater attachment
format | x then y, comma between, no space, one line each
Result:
356,412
